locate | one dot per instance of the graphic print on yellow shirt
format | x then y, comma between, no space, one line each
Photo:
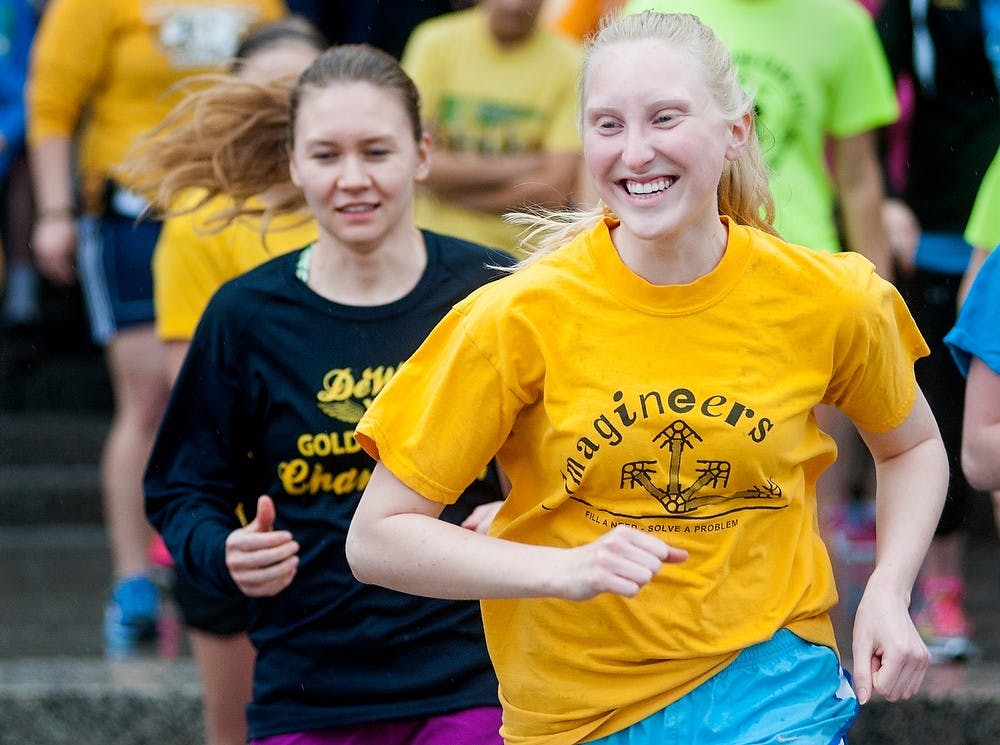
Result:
684,411
660,474
199,35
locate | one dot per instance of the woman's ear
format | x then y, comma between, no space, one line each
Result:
423,168
740,133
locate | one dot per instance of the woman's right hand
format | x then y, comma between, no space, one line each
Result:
53,241
622,561
262,561
903,232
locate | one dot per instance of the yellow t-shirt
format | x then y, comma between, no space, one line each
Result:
190,264
685,411
482,98
109,64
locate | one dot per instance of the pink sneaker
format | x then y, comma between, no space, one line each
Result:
942,621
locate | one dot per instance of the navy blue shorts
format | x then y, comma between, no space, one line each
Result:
215,614
114,263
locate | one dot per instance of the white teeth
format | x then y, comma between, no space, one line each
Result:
356,208
652,187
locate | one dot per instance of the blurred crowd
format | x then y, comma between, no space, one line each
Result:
878,123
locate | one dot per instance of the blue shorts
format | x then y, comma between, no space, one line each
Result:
778,691
114,263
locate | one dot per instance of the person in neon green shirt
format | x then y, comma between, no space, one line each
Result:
647,380
983,233
822,89
983,229
810,86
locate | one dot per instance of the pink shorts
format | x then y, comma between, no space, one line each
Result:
469,727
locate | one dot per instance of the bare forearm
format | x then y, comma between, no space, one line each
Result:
515,197
975,262
397,541
174,353
453,173
52,175
545,180
981,458
859,186
981,427
909,497
426,556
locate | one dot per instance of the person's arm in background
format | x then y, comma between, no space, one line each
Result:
500,183
67,62
981,427
975,263
983,228
862,102
858,176
496,182
54,235
895,32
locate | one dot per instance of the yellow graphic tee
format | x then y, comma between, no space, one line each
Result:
479,97
685,411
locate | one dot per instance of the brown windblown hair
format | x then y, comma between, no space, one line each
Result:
230,137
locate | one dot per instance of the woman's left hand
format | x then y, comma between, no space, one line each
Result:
889,655
480,518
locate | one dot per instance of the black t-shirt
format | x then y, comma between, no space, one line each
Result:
266,403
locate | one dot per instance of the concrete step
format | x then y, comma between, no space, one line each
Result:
49,469
68,701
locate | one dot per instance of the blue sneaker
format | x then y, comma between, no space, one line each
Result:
131,615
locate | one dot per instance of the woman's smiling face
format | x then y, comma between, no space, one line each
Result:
355,159
654,139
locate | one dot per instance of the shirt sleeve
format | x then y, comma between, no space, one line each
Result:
983,230
864,94
70,53
450,407
188,267
877,343
975,332
195,479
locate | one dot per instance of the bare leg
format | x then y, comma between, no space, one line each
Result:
226,667
944,557
135,361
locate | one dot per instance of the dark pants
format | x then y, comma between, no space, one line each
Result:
931,297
